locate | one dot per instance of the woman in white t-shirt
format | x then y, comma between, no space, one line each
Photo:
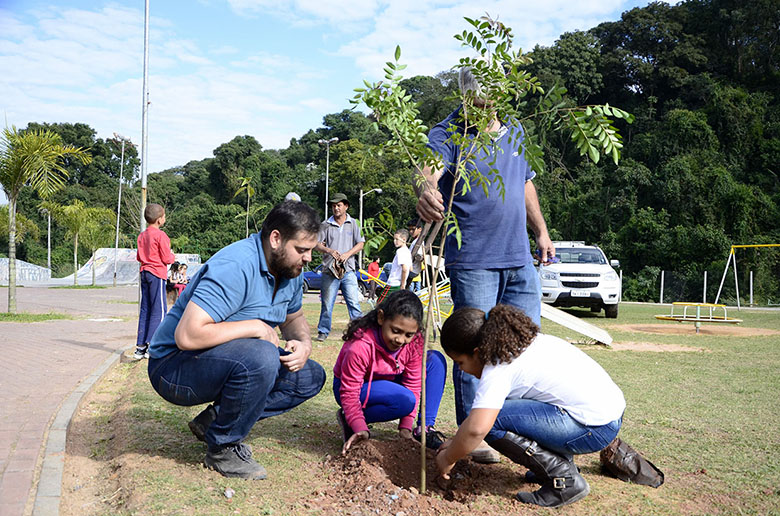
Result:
540,400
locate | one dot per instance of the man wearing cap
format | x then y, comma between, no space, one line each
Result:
340,241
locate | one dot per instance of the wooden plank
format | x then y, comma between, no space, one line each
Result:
576,324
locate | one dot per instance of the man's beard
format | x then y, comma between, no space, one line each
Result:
279,266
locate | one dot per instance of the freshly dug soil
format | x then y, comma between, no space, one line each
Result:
383,477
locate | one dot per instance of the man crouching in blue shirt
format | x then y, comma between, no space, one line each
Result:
218,344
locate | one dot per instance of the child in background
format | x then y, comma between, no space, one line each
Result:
154,253
401,266
539,401
373,270
180,279
378,373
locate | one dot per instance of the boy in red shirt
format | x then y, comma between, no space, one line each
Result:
154,253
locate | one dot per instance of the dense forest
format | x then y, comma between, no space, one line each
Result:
699,170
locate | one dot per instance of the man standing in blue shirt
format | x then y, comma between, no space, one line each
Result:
218,344
493,264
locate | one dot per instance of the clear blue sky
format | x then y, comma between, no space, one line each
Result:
220,68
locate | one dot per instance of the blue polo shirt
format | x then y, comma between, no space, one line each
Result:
493,229
233,285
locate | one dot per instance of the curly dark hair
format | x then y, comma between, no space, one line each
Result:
502,337
401,302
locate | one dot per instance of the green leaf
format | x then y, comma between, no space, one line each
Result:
397,52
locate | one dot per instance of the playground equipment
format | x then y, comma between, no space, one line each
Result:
733,259
709,317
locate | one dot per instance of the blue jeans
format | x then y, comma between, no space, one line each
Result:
390,400
329,291
484,289
552,427
243,377
154,305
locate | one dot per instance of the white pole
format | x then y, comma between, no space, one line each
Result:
119,208
145,117
736,282
704,293
662,287
48,241
360,255
751,288
725,271
620,296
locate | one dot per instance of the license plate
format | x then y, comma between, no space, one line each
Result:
580,293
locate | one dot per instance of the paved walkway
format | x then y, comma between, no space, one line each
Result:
42,365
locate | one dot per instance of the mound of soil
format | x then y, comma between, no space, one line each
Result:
722,330
383,477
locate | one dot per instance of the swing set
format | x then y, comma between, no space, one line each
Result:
733,260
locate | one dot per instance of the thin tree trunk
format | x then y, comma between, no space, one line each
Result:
76,260
247,215
12,255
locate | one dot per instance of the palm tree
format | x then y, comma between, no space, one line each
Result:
31,158
246,186
78,218
98,232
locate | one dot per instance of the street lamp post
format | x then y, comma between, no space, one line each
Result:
327,144
119,199
377,190
48,238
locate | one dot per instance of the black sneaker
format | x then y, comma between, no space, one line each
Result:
346,430
202,422
235,460
322,336
433,438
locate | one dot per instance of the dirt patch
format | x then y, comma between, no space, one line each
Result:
655,347
383,477
706,329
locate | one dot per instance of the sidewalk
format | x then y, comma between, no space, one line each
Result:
42,364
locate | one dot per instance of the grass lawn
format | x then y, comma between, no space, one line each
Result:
32,318
707,417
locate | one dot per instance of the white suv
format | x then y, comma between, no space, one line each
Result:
581,277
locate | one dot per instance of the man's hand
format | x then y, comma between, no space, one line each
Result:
336,255
360,436
405,433
267,332
546,248
299,354
430,205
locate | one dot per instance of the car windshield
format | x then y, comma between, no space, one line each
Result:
578,255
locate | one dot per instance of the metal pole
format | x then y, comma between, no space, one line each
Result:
725,271
704,295
48,241
736,281
119,207
662,287
360,254
327,173
145,117
751,288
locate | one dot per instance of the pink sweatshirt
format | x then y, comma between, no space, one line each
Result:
363,359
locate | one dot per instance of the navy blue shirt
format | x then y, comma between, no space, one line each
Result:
233,285
494,234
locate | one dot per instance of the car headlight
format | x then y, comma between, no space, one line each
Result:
611,276
549,275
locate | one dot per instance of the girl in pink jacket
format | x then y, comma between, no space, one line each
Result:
378,373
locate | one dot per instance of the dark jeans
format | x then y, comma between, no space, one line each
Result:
243,378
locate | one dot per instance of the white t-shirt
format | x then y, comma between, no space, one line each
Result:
553,371
403,256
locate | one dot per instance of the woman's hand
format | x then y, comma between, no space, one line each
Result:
444,465
360,436
405,433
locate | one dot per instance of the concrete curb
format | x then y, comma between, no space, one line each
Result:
49,487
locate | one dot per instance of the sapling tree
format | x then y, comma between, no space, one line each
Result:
507,93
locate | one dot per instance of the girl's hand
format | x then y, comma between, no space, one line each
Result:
360,436
444,465
405,433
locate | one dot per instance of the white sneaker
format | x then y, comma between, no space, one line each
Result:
140,355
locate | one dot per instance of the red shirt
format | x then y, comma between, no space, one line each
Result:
373,269
154,252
